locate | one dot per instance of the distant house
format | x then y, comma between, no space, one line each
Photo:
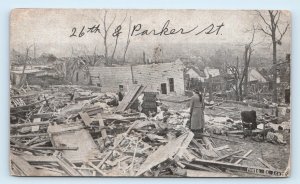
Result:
164,78
34,75
195,73
256,76
211,71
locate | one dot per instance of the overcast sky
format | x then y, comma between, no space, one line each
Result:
50,29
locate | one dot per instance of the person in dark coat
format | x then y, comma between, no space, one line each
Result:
197,112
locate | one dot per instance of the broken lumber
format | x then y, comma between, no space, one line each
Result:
23,166
194,166
221,138
97,169
266,163
203,150
130,97
46,148
228,155
165,152
29,124
29,135
85,118
101,124
116,145
244,156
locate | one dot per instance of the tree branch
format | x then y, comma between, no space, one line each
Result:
264,31
263,18
282,34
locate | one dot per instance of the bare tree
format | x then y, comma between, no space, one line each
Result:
247,58
271,28
105,34
241,79
26,60
236,74
117,38
128,40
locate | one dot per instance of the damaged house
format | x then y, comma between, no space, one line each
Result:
164,78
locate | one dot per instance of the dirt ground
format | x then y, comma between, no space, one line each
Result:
275,154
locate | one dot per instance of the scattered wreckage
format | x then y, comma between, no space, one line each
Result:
72,131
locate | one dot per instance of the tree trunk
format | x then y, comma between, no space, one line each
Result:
105,50
22,80
210,88
274,99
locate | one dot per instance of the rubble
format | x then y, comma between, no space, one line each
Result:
71,131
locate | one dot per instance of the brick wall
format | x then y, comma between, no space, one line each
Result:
152,76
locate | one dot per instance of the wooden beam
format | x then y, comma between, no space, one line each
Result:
23,166
46,148
101,124
29,124
195,166
29,135
228,155
246,154
116,145
266,163
97,169
85,118
222,138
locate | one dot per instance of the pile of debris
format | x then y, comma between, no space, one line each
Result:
70,131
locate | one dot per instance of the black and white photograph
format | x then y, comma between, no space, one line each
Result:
150,93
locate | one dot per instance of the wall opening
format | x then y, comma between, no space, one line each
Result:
171,83
163,88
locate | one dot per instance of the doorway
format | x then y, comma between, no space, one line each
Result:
163,88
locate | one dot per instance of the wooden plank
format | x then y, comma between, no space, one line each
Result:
203,150
266,163
101,124
29,124
67,167
97,169
228,155
140,91
85,118
104,159
39,159
172,148
116,145
23,166
46,148
29,135
31,140
208,143
194,166
35,128
244,156
222,148
43,115
129,98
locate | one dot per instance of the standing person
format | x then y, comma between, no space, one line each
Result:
121,93
197,112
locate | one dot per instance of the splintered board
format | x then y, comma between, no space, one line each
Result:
130,97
